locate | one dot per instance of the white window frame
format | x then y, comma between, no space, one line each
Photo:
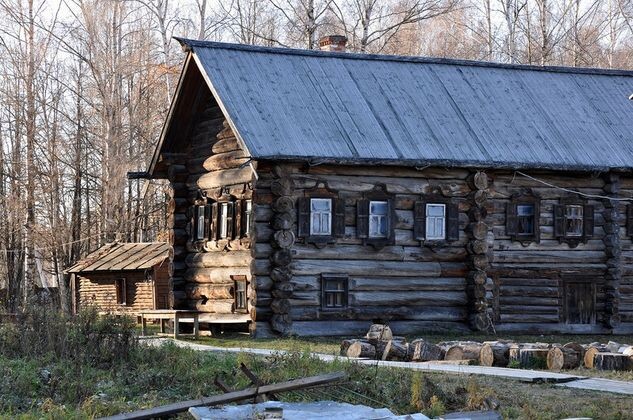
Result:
431,220
519,216
224,219
377,218
327,214
248,209
200,210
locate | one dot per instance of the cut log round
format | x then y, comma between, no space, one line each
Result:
361,349
578,348
280,306
612,361
588,359
281,257
281,274
423,351
283,221
560,358
479,230
283,205
464,351
533,358
480,180
379,332
494,354
613,346
284,238
628,351
282,186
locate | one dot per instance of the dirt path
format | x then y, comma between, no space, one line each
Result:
534,376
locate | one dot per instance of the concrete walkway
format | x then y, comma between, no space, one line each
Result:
533,376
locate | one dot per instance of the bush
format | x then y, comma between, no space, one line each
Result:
85,339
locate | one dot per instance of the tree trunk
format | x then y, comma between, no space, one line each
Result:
494,354
591,353
361,349
612,361
533,358
423,351
560,358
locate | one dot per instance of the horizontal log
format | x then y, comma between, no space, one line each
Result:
208,291
529,291
216,306
563,256
219,259
370,313
360,268
215,275
407,284
221,178
407,298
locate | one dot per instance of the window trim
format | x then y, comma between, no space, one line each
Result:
329,214
451,220
560,221
304,217
240,279
344,279
200,224
426,221
523,198
120,286
363,206
580,217
247,217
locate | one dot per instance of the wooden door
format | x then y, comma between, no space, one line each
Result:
580,302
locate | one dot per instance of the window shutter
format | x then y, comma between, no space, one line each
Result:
391,222
191,215
419,220
559,221
207,221
303,217
588,221
213,234
452,222
238,219
629,220
230,218
362,219
512,221
338,228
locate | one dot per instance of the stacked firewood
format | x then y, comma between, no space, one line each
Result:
380,344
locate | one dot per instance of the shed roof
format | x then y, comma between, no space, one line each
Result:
358,108
122,257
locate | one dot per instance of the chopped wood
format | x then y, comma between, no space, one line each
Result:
361,349
578,348
560,358
628,351
494,354
613,346
379,332
464,351
588,359
612,361
230,397
392,350
423,351
533,358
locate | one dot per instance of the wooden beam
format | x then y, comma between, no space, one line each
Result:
230,397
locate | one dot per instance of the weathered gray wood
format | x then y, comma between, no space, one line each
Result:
612,361
390,298
533,358
361,268
379,332
227,398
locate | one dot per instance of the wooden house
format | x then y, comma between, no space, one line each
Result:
122,277
315,192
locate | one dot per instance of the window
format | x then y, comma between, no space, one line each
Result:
435,221
246,227
522,217
226,221
573,220
378,219
239,288
525,219
321,216
334,291
200,222
121,292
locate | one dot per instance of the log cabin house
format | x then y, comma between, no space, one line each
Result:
122,278
317,191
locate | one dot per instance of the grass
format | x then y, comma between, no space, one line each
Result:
53,366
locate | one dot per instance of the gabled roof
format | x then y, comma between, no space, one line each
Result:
122,257
355,108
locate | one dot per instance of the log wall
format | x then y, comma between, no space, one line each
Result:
99,290
211,168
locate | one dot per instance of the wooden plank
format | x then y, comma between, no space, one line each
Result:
230,397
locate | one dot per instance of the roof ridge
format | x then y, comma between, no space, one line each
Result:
189,44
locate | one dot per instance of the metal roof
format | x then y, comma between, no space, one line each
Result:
123,257
356,108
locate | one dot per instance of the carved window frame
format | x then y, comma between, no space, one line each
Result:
588,220
304,215
527,197
378,193
451,219
240,293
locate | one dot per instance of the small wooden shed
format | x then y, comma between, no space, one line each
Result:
122,277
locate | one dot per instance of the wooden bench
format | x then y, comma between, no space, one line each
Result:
177,315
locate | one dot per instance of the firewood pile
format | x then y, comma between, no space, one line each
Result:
379,343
